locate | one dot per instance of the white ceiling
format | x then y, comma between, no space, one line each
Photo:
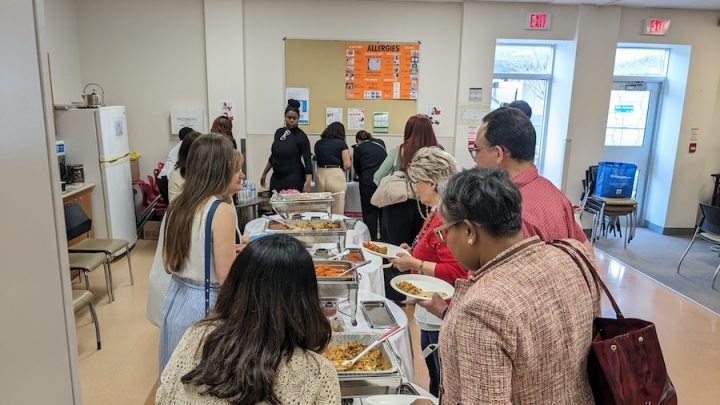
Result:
679,4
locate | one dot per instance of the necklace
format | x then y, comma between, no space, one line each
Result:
421,235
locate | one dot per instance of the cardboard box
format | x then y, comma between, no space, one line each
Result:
151,230
135,169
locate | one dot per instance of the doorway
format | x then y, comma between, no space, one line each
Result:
629,136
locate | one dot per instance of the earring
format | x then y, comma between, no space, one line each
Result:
471,241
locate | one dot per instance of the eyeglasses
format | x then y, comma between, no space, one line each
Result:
442,231
474,150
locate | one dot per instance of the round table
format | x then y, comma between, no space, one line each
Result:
400,342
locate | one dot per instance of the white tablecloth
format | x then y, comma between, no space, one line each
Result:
400,342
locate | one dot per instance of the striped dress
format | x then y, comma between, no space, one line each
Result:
185,298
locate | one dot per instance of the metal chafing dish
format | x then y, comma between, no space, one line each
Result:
290,204
337,288
366,383
311,236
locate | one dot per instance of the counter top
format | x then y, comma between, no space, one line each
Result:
76,188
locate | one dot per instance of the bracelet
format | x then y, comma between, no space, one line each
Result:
422,264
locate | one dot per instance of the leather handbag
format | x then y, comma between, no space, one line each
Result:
625,364
393,189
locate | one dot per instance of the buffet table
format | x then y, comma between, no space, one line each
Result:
400,342
355,236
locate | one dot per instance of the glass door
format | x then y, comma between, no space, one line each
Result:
630,130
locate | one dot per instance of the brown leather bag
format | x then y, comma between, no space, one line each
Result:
625,364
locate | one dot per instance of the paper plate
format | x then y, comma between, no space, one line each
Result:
392,250
425,283
394,399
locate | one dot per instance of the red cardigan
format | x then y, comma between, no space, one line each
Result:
430,249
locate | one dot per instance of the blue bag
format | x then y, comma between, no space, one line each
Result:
615,179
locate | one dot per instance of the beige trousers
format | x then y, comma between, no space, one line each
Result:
332,180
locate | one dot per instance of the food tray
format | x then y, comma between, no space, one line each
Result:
310,237
340,265
287,206
378,314
366,339
307,226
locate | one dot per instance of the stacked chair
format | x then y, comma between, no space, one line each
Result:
707,229
607,211
82,299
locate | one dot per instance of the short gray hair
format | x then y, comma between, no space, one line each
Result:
433,164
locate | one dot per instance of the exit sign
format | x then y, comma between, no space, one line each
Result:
655,26
538,21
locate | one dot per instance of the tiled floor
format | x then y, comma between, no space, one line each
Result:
125,370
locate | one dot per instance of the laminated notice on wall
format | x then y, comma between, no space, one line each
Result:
355,119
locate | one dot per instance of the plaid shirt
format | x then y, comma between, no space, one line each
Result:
519,330
546,211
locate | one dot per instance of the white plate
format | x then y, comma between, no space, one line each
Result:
425,283
392,250
394,399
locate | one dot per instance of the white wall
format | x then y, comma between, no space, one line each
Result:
63,51
692,171
38,349
436,26
150,57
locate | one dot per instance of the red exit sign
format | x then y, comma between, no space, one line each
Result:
656,26
538,21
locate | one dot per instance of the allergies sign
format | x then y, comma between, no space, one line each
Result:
382,71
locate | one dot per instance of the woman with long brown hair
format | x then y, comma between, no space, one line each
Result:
261,343
223,125
209,177
401,222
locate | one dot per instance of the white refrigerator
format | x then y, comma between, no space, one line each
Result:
97,138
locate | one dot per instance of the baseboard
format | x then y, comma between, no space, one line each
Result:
669,231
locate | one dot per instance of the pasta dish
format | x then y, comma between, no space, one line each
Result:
372,361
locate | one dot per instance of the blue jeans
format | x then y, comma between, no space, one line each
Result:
433,360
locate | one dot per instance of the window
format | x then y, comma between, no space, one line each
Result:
641,62
524,72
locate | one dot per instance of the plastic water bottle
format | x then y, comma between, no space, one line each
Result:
253,191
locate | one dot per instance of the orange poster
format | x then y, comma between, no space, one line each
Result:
381,71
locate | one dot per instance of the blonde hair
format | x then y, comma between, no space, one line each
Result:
433,164
237,160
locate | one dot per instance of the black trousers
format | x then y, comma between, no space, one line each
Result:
400,224
371,214
163,187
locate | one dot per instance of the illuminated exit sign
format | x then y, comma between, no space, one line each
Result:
538,21
655,26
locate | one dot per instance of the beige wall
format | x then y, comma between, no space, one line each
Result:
150,57
234,50
62,43
38,352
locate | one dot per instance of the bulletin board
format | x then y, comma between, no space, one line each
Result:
319,66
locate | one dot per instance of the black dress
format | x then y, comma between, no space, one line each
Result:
367,158
290,160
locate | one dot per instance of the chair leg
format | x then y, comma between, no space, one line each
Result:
687,250
109,264
127,253
97,325
108,282
87,279
717,271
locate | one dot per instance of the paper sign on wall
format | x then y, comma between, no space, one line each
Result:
303,96
382,71
381,122
226,108
192,117
355,119
333,114
435,114
472,113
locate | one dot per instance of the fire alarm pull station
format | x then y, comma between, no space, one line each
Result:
693,147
